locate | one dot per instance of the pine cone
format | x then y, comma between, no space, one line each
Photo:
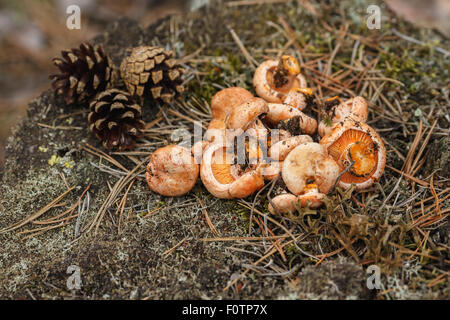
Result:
84,73
154,71
116,119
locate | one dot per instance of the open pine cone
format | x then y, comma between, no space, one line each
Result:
154,71
116,119
84,73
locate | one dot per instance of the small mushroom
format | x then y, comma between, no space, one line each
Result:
358,149
278,112
337,111
243,115
274,79
227,180
224,101
285,202
309,173
222,104
171,171
311,197
309,163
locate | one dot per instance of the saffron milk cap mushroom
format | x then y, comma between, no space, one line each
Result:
285,202
223,178
243,115
311,197
222,104
299,98
309,163
281,149
273,79
278,112
358,147
224,101
171,171
336,111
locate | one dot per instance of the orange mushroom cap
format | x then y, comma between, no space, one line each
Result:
224,101
290,64
356,144
356,109
243,115
226,180
278,112
222,104
309,163
273,79
285,203
172,171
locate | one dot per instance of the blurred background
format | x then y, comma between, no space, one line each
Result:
32,32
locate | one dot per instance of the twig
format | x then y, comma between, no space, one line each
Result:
253,63
410,39
208,220
341,174
254,2
422,183
122,205
58,127
169,252
37,214
244,238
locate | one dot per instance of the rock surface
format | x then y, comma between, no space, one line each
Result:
42,161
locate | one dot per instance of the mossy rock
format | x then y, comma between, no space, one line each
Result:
41,163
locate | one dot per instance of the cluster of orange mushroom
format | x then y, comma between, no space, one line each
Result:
251,140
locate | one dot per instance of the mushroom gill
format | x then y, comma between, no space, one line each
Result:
358,147
221,166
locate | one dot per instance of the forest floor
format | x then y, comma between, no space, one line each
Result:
67,202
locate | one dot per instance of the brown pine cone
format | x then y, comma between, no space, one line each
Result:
84,73
116,119
152,71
